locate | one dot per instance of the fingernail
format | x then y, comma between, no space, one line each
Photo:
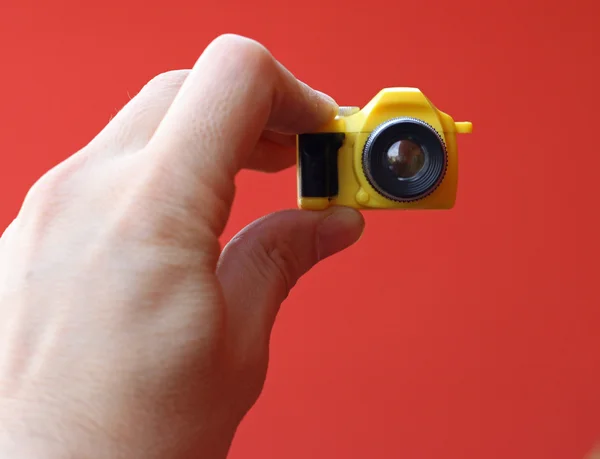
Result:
339,230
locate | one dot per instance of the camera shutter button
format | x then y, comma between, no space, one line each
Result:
347,111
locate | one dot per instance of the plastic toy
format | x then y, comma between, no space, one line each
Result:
398,152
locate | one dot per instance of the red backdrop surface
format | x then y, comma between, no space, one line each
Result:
473,333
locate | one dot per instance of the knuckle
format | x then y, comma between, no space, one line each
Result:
48,185
42,187
232,41
167,80
281,263
250,54
50,195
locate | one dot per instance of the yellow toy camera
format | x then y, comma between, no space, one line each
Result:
398,152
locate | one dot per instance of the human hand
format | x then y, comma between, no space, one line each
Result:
125,330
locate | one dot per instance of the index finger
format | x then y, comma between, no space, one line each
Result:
236,90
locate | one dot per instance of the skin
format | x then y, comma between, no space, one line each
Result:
126,330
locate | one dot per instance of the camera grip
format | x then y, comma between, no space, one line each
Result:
318,164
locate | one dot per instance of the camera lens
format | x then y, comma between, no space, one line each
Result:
404,159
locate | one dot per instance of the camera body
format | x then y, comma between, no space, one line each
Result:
398,152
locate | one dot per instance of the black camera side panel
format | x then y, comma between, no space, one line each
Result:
318,164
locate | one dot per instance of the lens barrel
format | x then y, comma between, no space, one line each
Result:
404,159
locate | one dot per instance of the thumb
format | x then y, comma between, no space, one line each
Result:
259,267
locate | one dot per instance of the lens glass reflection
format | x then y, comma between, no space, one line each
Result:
405,159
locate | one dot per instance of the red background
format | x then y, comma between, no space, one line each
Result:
473,333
